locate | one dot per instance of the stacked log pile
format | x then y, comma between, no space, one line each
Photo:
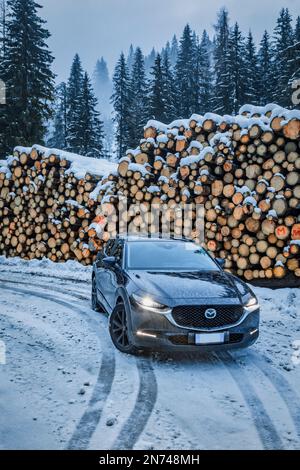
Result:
245,170
45,206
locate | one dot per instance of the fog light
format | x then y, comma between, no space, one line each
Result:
142,333
253,331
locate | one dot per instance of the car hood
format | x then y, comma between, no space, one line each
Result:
186,285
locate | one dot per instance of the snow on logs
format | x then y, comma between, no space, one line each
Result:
244,169
47,205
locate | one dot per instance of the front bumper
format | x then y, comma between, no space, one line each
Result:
154,331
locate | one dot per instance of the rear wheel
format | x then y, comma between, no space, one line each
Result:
95,303
118,328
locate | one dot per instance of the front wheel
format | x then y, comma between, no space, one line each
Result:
118,328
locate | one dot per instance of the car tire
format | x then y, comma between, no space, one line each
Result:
95,304
118,329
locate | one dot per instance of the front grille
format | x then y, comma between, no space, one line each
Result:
193,316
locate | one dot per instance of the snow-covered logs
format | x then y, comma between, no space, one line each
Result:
46,207
245,170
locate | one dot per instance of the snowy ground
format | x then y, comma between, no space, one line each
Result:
65,386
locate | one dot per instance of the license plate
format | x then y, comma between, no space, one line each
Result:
210,338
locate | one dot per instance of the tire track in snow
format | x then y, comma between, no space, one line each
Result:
91,417
47,276
44,286
287,394
146,399
263,423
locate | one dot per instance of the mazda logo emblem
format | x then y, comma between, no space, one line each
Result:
210,313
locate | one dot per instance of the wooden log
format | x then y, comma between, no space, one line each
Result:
291,130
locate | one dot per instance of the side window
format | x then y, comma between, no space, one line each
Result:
118,253
109,248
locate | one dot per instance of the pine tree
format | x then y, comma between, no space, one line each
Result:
295,69
59,133
101,74
86,129
108,142
26,72
205,74
130,58
3,20
265,70
297,30
75,80
3,27
293,55
157,108
102,85
236,70
166,50
196,73
174,51
74,89
283,39
169,88
184,74
103,91
138,88
221,100
149,61
252,94
122,102
162,94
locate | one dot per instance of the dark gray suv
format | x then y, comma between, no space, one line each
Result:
168,294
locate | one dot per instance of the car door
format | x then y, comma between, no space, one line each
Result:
103,274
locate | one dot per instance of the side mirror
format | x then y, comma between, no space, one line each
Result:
221,262
109,261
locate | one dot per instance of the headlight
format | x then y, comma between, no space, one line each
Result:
251,304
148,303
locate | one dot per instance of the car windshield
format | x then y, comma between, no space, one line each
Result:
167,256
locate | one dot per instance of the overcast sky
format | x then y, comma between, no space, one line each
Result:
105,27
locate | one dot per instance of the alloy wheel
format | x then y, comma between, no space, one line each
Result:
119,327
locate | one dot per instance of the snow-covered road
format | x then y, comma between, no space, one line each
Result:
65,386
